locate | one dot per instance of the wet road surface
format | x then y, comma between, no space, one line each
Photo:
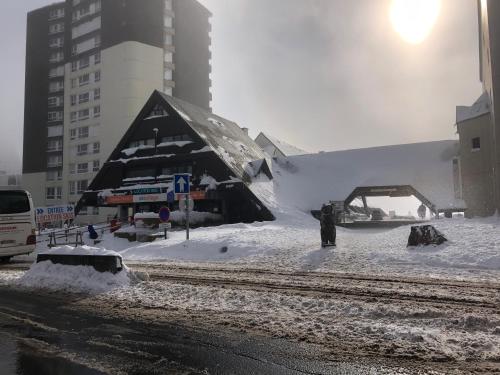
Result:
40,334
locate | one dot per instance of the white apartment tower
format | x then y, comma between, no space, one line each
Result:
90,67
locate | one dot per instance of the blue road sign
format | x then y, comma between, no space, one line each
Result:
164,214
181,184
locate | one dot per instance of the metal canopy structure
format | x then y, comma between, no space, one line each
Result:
392,191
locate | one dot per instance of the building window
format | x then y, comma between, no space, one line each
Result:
55,131
72,188
73,116
54,145
73,99
82,150
54,161
56,13
176,138
55,101
56,42
84,62
55,175
55,116
96,165
54,193
97,111
82,168
74,66
56,57
72,168
97,76
72,134
73,83
81,186
56,28
97,58
476,144
83,98
83,114
84,80
56,86
83,132
97,147
142,142
97,93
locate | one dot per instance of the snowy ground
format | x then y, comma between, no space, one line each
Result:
292,243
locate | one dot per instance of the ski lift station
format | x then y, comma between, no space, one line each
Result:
170,136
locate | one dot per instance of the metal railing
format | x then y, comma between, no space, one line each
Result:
73,235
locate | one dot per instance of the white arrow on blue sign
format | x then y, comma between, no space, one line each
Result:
181,184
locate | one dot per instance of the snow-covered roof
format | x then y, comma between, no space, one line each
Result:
307,181
481,107
224,137
285,148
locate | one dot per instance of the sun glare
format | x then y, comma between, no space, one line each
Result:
413,20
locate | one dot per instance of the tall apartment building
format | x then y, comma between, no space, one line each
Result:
90,67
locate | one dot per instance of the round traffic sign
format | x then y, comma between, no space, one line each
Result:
164,214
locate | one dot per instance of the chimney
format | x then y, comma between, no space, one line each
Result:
245,130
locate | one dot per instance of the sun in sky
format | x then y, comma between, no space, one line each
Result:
413,20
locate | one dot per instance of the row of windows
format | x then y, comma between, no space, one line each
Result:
85,114
85,79
151,141
85,62
56,72
55,116
87,10
56,42
79,133
86,45
54,161
56,13
55,28
56,86
86,97
55,101
84,149
84,167
56,57
54,145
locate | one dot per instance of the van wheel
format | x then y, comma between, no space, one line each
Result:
4,260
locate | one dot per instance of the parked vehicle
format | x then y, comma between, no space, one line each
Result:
17,224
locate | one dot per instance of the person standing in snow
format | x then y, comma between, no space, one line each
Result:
327,223
422,211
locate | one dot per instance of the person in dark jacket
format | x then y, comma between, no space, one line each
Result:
327,223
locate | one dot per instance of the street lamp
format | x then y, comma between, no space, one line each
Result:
156,140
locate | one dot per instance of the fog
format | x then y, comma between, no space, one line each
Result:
323,74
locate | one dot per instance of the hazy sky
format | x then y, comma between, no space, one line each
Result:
320,74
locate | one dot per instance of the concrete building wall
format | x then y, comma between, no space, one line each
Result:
477,166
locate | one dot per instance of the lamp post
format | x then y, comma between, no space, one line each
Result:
156,140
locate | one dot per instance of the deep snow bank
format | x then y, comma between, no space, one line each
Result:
83,279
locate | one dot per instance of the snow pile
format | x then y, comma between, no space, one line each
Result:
195,217
80,279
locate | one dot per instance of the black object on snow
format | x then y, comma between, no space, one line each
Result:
92,233
424,235
327,222
101,263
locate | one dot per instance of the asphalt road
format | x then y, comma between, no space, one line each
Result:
40,335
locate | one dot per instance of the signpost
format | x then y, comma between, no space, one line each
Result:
181,186
164,215
54,214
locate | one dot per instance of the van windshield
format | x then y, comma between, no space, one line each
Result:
13,202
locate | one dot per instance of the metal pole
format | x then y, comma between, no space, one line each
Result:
187,217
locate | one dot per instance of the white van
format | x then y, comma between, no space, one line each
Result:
17,224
